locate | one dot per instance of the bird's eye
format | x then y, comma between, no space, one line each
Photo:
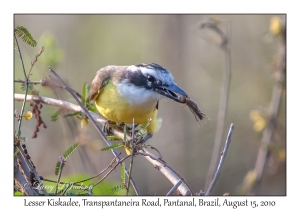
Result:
150,78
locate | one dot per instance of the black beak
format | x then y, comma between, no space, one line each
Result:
171,92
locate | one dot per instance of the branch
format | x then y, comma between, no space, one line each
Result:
28,168
222,159
165,170
113,168
174,188
168,172
225,46
62,164
273,107
131,161
109,166
20,178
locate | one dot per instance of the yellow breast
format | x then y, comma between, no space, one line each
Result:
116,108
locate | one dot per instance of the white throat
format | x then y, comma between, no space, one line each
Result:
138,96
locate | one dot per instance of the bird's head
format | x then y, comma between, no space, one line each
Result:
152,79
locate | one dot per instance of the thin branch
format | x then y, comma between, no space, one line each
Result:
222,159
168,172
273,107
225,46
113,168
131,162
20,178
65,190
34,61
174,188
62,164
31,168
26,90
21,161
105,169
21,181
29,82
61,182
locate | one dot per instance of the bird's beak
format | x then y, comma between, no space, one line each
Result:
171,92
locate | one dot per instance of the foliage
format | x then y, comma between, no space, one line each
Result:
22,32
66,155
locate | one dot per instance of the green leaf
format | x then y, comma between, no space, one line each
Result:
18,193
123,173
70,150
114,138
112,147
84,94
92,107
66,155
55,116
143,129
16,153
72,114
22,32
57,167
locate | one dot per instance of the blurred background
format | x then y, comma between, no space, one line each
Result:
76,46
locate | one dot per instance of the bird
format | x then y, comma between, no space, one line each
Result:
124,93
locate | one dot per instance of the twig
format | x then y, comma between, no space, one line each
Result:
65,190
131,161
273,108
95,124
142,152
21,161
22,177
29,82
113,168
21,181
34,61
32,169
222,159
174,188
168,172
109,166
26,89
61,182
224,45
160,156
62,164
90,190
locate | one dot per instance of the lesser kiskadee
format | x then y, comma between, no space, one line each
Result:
122,93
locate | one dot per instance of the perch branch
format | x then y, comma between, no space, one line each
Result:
222,159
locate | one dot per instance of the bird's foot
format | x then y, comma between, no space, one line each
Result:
107,127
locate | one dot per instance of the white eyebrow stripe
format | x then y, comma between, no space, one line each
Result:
164,76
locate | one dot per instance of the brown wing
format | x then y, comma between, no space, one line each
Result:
102,77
